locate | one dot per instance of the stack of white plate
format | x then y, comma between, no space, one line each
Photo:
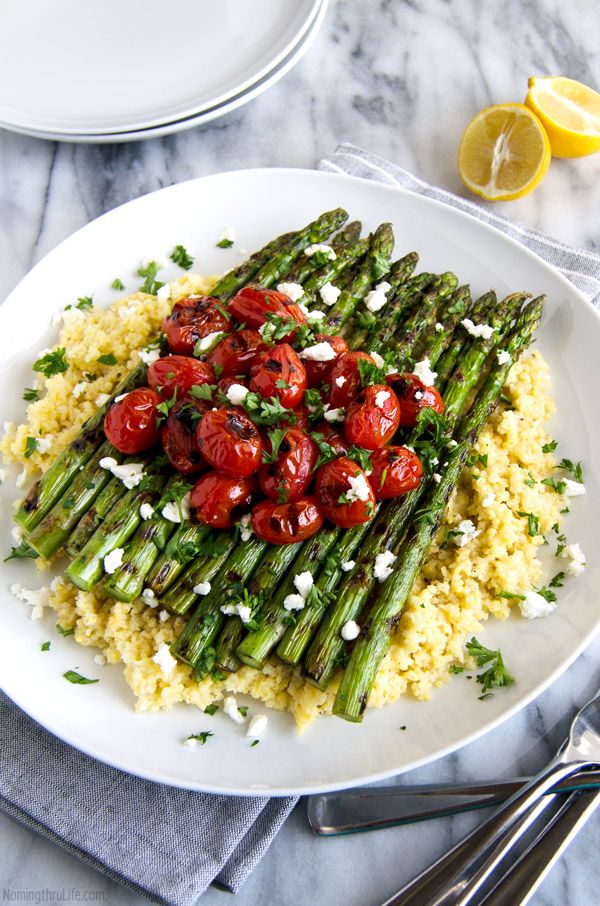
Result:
125,70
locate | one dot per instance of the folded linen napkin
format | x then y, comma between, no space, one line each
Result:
166,843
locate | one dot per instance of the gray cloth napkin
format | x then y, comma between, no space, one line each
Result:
166,843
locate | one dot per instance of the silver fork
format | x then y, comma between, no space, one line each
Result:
455,879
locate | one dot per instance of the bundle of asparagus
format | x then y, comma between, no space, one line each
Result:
78,506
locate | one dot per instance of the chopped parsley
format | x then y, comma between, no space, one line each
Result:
450,534
84,303
533,523
455,668
150,285
574,468
558,486
370,373
182,257
45,646
77,679
265,411
52,362
509,595
211,709
64,632
326,451
31,446
276,328
224,243
107,359
30,393
361,456
478,459
254,743
202,391
243,709
496,674
117,284
276,437
314,403
22,552
550,447
201,737
530,480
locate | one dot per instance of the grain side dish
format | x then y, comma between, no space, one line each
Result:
481,556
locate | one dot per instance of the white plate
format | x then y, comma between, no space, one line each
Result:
206,116
123,65
99,719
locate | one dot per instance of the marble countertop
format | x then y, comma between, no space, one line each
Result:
401,77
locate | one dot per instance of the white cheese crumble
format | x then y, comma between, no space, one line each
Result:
146,511
257,726
380,397
101,399
237,610
377,298
36,598
79,388
335,415
423,371
164,616
230,707
503,357
576,558
451,444
535,606
383,565
99,659
202,588
311,250
468,532
484,331
347,565
572,488
378,359
44,444
227,235
439,327
149,598
148,356
113,560
171,511
190,742
165,660
246,530
164,293
236,394
340,381
130,473
315,315
437,477
320,352
293,291
359,488
488,499
21,479
17,534
294,602
350,631
303,583
210,340
329,293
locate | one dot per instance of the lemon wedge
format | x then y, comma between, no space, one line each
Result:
570,112
504,152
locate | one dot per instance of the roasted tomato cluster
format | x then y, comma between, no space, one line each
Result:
272,418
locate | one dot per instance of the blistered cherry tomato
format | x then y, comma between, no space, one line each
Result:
236,352
279,372
332,437
287,523
413,395
178,372
192,318
344,378
341,499
224,385
317,373
287,478
220,501
131,424
229,442
396,470
252,305
373,417
178,436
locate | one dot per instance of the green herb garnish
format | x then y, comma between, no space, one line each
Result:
22,552
31,446
150,285
77,679
30,394
181,256
64,632
45,646
550,447
52,362
496,673
201,737
533,523
117,284
107,359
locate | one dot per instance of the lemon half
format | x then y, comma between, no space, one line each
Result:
570,113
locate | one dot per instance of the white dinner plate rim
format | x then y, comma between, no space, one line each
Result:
486,727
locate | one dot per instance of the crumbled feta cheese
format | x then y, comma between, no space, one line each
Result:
378,359
419,394
303,583
129,473
340,381
468,533
99,659
329,293
484,331
293,291
230,707
227,235
159,260
423,371
377,298
36,598
165,660
44,444
237,610
79,388
149,598
210,340
576,558
190,742
164,616
236,394
311,250
359,488
535,605
246,530
21,479
334,415
164,293
319,352
347,565
380,397
38,612
113,560
257,726
437,477
148,356
383,565
315,315
294,602
17,534
350,631
503,357
451,444
439,327
171,511
146,511
101,399
488,499
572,489
202,588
